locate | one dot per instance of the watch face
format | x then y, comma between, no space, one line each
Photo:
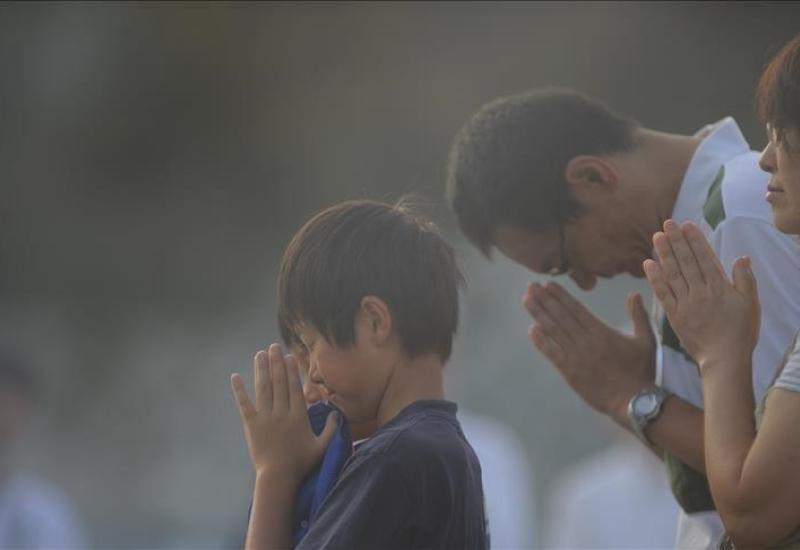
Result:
645,404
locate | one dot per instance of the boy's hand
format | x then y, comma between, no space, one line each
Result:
277,429
715,319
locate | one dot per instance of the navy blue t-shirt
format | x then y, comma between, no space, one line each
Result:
416,483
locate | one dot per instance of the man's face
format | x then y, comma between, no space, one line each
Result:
781,158
593,246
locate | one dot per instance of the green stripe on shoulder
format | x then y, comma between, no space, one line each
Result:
714,209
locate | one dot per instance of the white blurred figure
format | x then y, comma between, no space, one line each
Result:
616,498
507,481
33,514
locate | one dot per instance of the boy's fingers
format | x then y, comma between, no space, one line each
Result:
280,389
331,423
295,386
246,408
262,381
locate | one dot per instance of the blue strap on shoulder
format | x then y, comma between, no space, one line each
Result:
320,481
317,484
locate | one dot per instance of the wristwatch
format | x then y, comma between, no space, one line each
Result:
644,407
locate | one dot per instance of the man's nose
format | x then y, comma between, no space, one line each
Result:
584,280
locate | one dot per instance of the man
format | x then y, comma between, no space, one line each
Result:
562,185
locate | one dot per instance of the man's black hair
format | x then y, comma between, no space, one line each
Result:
507,163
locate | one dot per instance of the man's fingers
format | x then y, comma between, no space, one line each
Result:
638,314
280,386
669,266
684,255
546,345
560,313
246,409
658,282
295,386
582,316
538,308
263,386
707,259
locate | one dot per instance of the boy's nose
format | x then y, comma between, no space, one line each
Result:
313,388
312,392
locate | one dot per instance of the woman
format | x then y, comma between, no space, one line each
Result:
753,467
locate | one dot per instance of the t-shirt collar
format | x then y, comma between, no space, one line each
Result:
722,141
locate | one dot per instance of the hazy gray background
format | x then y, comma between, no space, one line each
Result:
155,158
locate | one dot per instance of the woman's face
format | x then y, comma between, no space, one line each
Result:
781,158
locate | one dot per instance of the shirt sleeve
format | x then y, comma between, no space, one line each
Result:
775,260
789,378
366,508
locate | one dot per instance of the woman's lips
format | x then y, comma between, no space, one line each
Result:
774,194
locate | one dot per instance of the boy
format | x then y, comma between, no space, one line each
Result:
371,292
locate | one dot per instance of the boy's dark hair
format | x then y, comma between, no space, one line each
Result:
507,163
778,93
365,248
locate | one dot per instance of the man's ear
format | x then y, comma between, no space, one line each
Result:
376,318
586,172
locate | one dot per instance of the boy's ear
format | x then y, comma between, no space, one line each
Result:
377,318
586,172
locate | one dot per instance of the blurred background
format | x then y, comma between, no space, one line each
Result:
156,158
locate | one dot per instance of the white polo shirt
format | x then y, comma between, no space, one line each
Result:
723,192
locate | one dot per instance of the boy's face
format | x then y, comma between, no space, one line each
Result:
313,392
352,378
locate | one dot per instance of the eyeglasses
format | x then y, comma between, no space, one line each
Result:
563,262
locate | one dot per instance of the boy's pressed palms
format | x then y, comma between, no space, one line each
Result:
279,436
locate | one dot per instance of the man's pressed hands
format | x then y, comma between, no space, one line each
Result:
604,366
279,436
716,319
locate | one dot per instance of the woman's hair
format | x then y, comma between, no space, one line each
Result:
778,93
